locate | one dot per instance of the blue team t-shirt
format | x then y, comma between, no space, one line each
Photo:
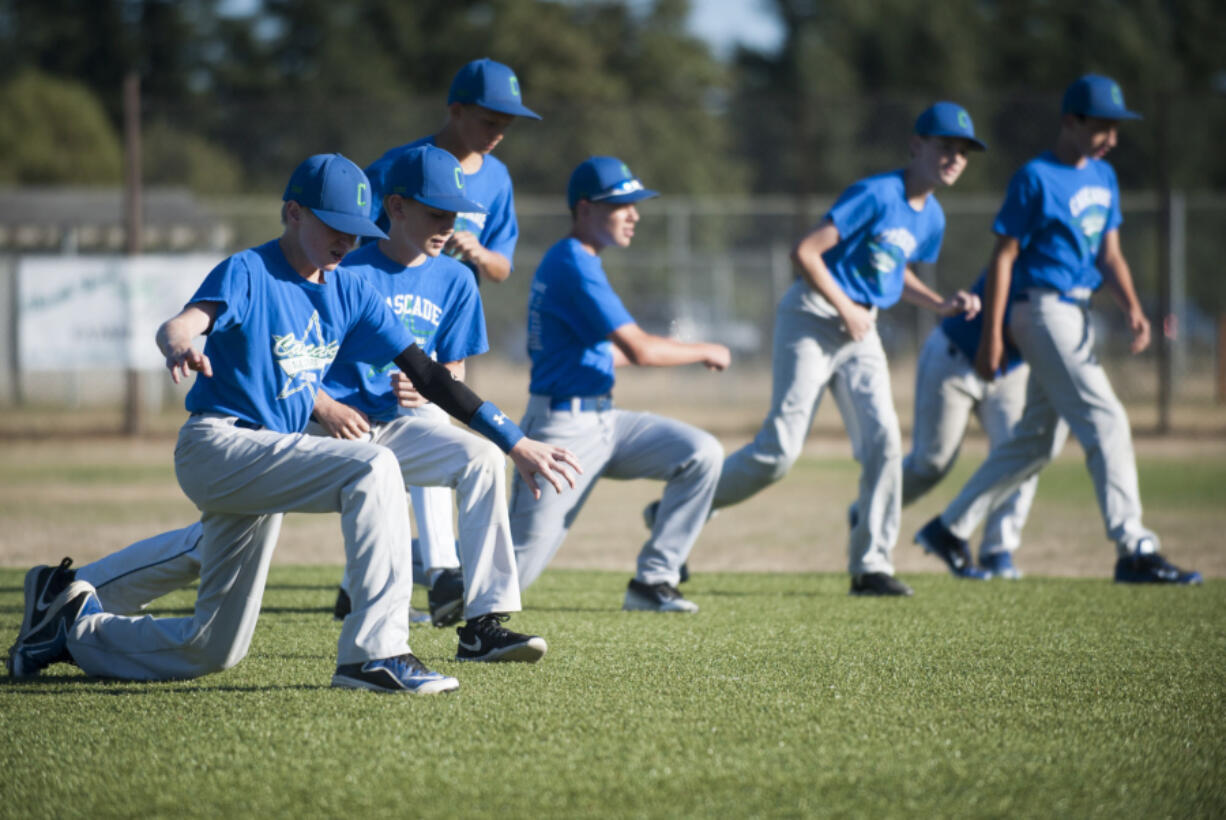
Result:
572,309
879,235
1059,214
965,333
498,230
275,336
439,305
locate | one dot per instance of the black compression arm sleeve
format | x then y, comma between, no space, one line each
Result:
436,383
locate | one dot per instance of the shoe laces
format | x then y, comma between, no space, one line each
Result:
490,624
667,591
410,662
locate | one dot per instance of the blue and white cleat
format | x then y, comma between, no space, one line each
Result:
999,565
937,540
401,674
1152,568
46,641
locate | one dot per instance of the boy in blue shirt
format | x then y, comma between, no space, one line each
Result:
483,101
578,331
947,391
856,262
1057,239
277,317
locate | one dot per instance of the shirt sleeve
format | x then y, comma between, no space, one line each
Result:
228,284
1023,201
855,208
502,227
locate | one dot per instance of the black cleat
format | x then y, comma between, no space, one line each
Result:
660,597
484,638
1152,568
878,583
446,598
937,540
343,605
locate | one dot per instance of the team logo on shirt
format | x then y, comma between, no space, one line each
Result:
303,360
889,251
472,222
1090,207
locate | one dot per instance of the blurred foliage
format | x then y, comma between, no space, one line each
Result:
236,93
55,132
182,158
851,71
269,81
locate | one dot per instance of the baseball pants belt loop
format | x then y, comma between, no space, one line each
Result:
237,422
581,404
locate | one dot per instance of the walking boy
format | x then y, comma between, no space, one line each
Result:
578,331
277,317
856,262
1057,240
483,102
947,391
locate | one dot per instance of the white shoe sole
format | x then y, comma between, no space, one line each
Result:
634,603
446,684
530,651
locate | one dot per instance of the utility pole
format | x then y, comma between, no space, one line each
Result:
133,417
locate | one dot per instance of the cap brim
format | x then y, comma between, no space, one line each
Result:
455,204
514,109
626,199
1122,114
350,224
976,144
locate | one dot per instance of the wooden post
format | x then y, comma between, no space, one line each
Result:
1165,381
133,417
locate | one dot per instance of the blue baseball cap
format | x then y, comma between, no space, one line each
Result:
490,85
605,179
947,119
336,191
1096,96
433,177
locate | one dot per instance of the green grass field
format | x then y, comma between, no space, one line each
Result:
783,697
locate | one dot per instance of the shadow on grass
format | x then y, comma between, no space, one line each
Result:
741,593
42,686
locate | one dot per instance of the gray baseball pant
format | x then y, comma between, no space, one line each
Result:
440,456
433,510
1066,382
812,351
622,445
947,391
243,481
